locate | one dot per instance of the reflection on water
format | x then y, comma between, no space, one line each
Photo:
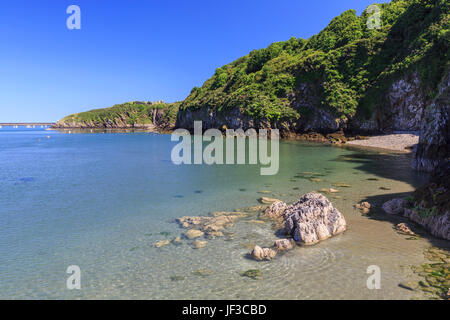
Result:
100,201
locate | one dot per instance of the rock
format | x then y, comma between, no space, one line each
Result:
394,206
176,278
227,213
437,225
209,225
266,200
189,222
259,253
284,244
434,137
312,219
202,272
214,234
362,205
275,210
199,244
341,184
176,240
193,233
403,228
329,190
252,273
161,243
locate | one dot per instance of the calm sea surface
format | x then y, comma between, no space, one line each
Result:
101,200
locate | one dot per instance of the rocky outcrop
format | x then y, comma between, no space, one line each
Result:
434,141
312,219
429,204
438,225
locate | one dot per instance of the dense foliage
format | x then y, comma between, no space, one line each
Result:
129,113
351,64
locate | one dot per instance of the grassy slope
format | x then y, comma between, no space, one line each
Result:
129,113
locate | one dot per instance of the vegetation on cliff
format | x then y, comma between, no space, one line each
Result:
128,114
350,64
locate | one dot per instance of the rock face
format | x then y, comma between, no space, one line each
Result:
437,225
434,141
405,104
312,219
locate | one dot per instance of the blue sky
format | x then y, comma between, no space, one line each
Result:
135,49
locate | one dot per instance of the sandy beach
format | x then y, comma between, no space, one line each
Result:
397,141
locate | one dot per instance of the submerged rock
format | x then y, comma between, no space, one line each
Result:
199,244
252,273
259,253
161,243
312,219
193,233
394,206
211,226
266,200
284,244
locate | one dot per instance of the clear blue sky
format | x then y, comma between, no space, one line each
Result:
135,49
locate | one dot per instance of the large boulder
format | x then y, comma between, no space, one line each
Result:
312,219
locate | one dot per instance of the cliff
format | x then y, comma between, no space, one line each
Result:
434,141
152,116
347,77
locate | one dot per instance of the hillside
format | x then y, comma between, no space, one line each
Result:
145,115
347,77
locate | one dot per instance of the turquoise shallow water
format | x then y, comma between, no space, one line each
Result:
100,200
